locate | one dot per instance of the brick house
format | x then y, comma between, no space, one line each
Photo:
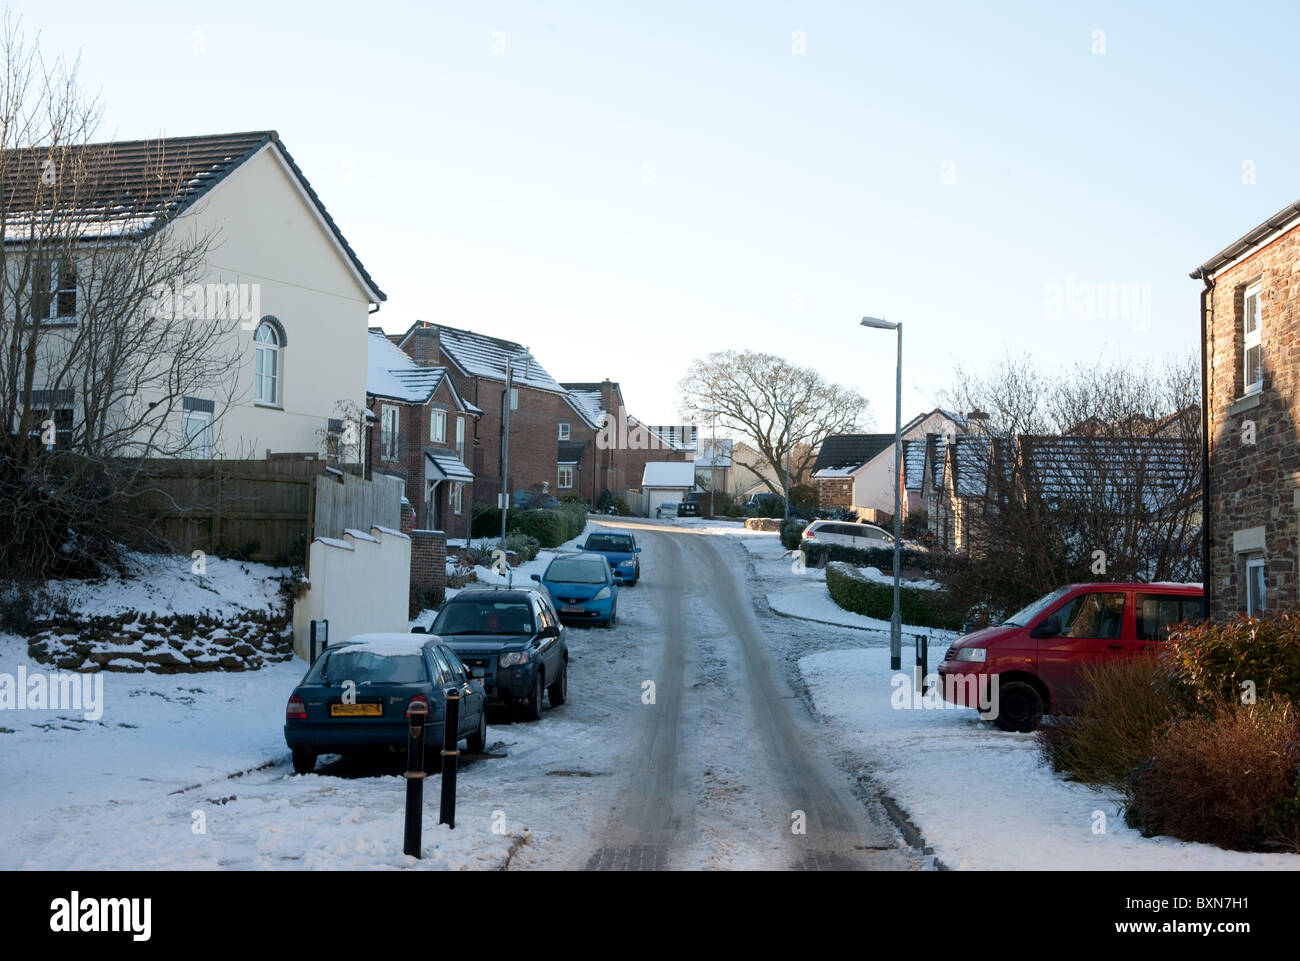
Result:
608,448
476,365
1250,355
420,428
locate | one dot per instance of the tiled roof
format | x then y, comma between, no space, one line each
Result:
914,464
1126,469
130,187
841,453
391,373
448,464
669,474
482,356
587,405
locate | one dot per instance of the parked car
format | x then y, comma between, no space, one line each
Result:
668,509
582,588
512,642
690,505
621,551
1036,657
356,697
861,536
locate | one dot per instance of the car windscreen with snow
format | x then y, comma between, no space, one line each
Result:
460,617
577,570
367,667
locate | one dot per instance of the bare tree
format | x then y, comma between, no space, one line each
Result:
98,346
751,393
1089,475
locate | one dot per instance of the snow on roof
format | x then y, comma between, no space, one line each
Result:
391,372
482,356
587,405
705,456
451,466
914,464
669,474
386,645
836,471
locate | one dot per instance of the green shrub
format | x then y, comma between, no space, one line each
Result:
523,545
548,528
485,521
851,591
1126,708
1228,778
1212,660
790,533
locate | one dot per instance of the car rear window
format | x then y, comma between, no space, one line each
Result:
367,667
1157,613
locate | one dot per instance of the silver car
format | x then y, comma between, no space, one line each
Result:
847,534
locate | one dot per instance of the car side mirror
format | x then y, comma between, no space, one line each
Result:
550,630
1049,628
419,629
537,577
636,550
582,547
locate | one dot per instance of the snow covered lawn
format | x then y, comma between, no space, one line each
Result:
978,795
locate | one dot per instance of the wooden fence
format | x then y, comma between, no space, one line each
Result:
343,500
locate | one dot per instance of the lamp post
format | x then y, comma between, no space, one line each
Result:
505,442
789,412
713,457
896,622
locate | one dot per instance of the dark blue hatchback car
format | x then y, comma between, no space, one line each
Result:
357,695
621,551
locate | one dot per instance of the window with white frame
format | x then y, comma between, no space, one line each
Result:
1256,602
460,438
457,493
1252,354
196,434
438,426
54,292
514,398
388,421
564,430
565,480
266,365
53,417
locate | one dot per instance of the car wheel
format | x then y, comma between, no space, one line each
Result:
1020,707
304,761
533,709
613,618
559,691
477,741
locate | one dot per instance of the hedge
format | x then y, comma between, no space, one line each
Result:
550,528
1214,658
927,562
853,592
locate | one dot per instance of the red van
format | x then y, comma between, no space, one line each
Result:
1036,656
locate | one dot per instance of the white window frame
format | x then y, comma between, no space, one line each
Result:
564,469
457,494
460,438
1252,339
389,439
514,398
437,426
204,435
1256,605
263,349
564,430
53,272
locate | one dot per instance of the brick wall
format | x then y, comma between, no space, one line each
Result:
1255,485
428,559
835,492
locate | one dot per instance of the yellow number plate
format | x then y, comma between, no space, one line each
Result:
356,710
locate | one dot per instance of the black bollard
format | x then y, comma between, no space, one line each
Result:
922,662
450,757
417,711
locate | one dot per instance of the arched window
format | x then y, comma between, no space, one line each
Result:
266,363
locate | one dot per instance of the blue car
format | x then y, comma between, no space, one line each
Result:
357,695
621,552
582,588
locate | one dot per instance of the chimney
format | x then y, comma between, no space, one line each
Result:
423,347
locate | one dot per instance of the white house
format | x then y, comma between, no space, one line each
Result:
303,297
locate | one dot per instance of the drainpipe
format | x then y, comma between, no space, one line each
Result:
1206,305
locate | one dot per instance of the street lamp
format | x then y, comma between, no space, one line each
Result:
505,443
896,623
789,412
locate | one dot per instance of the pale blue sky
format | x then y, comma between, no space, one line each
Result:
625,186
